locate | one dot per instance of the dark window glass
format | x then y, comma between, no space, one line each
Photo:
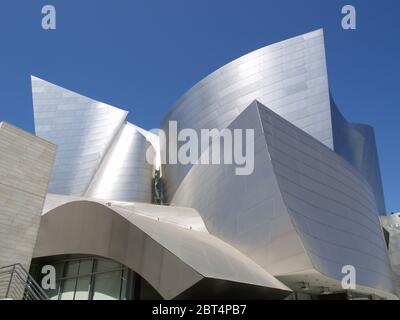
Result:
68,289
86,267
82,288
71,269
107,286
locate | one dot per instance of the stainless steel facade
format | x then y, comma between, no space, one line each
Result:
392,225
309,208
124,173
172,258
290,78
303,214
99,154
355,142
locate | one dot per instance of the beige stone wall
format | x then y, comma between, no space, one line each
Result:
26,162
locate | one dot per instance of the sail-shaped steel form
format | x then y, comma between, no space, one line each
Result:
303,214
307,212
99,154
291,78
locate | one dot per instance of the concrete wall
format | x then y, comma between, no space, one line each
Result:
25,168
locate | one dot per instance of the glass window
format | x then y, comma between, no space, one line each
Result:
53,294
59,269
82,288
86,267
71,269
124,284
68,289
84,278
107,286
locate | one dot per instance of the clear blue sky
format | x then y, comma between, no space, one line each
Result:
143,55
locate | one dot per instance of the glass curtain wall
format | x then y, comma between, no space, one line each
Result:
93,278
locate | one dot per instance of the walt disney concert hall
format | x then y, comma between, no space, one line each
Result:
81,195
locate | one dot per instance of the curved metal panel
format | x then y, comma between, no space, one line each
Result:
82,128
304,210
290,77
125,174
356,143
172,259
392,225
331,205
184,217
246,211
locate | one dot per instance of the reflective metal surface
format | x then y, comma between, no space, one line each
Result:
290,77
309,208
356,143
303,208
392,225
171,258
184,217
99,154
124,173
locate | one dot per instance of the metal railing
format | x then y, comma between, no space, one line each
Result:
17,284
